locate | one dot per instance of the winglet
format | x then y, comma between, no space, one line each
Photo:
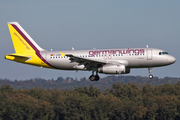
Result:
62,54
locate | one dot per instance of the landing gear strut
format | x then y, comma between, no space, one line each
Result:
94,77
150,75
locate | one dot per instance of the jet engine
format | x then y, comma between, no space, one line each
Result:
114,69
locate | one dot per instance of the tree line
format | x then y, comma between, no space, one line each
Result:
71,83
119,102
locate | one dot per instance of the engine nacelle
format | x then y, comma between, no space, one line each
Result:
114,69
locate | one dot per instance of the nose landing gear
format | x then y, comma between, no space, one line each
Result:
150,75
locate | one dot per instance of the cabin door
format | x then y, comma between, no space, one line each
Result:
149,54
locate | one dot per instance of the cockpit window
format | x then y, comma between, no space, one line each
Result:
163,53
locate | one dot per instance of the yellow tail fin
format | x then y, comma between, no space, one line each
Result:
26,49
21,40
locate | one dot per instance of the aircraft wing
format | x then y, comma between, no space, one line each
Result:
87,62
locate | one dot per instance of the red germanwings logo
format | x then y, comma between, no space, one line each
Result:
105,52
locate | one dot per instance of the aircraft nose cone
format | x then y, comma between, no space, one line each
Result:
172,59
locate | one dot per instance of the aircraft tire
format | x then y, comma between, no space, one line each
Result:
150,76
92,78
97,78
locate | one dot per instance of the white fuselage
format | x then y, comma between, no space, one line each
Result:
130,57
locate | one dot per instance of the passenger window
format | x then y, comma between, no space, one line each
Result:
159,53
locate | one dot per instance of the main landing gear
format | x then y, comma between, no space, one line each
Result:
150,75
94,77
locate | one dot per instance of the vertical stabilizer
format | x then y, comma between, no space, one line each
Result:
21,40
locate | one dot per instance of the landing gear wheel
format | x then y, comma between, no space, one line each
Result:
96,77
92,78
150,76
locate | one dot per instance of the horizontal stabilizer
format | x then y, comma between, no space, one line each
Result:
17,57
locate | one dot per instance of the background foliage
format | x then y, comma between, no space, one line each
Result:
121,101
71,83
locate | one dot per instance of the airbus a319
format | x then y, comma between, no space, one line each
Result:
106,61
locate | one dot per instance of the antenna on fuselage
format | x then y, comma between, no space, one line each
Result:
72,48
147,46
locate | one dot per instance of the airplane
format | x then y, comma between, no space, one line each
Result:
106,61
